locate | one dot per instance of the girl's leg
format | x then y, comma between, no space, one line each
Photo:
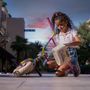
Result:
52,64
76,69
74,61
63,69
56,53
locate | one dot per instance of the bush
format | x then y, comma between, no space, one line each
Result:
85,69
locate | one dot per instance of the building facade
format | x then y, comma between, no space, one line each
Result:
15,27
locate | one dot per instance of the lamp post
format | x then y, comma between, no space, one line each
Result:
3,19
3,32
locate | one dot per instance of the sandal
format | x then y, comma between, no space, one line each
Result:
60,73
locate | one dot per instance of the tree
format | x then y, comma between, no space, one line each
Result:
84,51
34,49
20,46
10,16
24,50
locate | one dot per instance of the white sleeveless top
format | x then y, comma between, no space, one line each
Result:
68,37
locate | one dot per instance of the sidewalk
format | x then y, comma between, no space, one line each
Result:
47,82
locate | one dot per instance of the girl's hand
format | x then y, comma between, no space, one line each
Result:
73,45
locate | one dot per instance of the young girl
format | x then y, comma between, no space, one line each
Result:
68,37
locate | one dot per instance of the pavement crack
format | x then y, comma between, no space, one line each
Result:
21,84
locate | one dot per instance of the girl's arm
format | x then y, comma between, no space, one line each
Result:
76,42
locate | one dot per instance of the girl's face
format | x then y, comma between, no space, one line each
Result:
62,26
57,22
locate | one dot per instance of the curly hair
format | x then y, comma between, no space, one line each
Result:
63,18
